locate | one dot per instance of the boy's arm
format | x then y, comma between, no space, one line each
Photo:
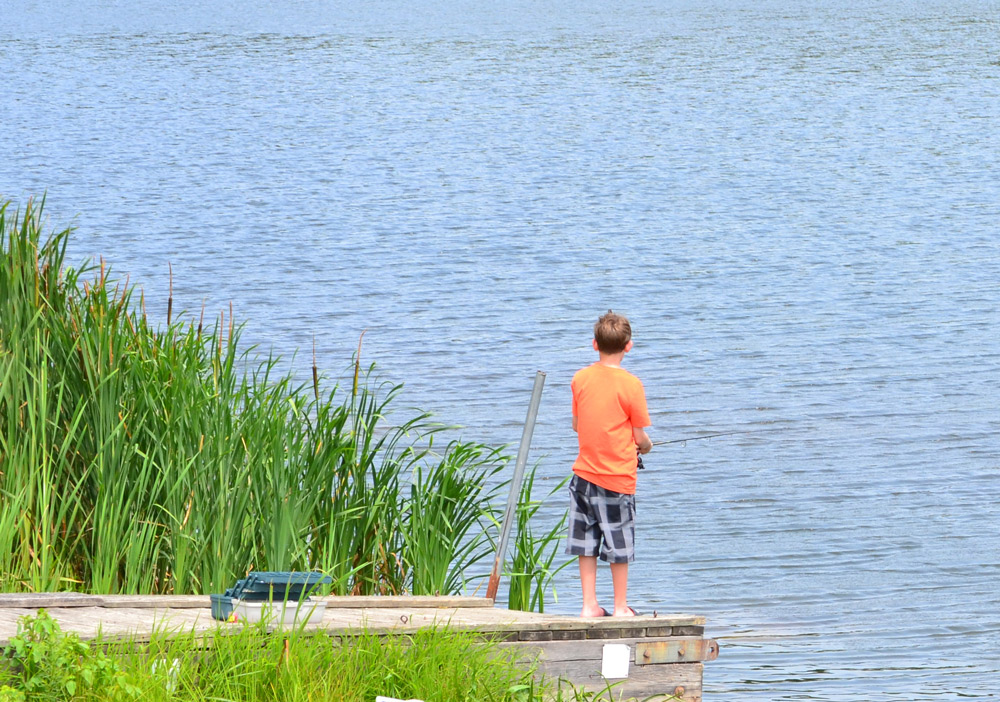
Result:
575,423
642,440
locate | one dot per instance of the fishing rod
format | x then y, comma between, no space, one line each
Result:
640,466
695,438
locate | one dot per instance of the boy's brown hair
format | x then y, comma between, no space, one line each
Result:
612,333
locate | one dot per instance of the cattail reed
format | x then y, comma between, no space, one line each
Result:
170,294
172,461
315,372
357,365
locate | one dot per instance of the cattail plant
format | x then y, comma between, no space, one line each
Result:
135,459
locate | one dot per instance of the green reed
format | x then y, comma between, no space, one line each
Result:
143,460
532,568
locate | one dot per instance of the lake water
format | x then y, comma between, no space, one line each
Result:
797,204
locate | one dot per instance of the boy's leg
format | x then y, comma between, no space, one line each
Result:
619,578
583,540
588,583
618,526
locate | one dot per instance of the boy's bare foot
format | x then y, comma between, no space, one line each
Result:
627,612
599,612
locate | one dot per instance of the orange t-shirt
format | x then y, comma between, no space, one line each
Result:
607,403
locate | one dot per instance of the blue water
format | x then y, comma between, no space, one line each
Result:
796,203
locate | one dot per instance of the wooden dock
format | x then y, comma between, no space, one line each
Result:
640,657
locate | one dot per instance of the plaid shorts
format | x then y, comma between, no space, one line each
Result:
601,522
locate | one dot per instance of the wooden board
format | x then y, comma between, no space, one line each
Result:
582,669
74,599
396,601
49,600
559,652
679,681
136,617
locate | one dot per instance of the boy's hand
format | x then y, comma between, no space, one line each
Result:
642,442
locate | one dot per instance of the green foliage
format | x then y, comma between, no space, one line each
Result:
140,460
47,664
436,664
531,570
443,521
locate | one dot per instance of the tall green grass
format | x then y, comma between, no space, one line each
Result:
533,567
136,459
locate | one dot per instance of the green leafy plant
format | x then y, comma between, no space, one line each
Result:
445,518
10,694
48,664
436,664
135,459
532,569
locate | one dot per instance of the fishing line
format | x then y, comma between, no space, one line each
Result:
705,436
640,466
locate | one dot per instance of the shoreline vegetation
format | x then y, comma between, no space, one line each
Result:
137,460
252,664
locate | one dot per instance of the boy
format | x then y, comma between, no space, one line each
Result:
609,416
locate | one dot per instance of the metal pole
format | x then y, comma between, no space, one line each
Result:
515,485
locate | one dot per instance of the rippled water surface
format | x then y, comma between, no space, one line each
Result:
796,203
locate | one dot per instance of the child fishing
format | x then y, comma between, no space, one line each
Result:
610,417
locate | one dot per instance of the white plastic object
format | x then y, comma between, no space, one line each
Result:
279,613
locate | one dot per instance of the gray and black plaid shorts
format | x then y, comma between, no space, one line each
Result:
601,522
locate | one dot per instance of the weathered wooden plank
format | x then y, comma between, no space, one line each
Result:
410,619
377,620
89,622
535,636
399,619
9,619
503,636
569,635
689,630
679,681
34,600
406,601
120,620
615,633
544,621
75,599
157,601
580,663
660,631
588,650
482,607
49,600
607,628
677,650
604,633
484,616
